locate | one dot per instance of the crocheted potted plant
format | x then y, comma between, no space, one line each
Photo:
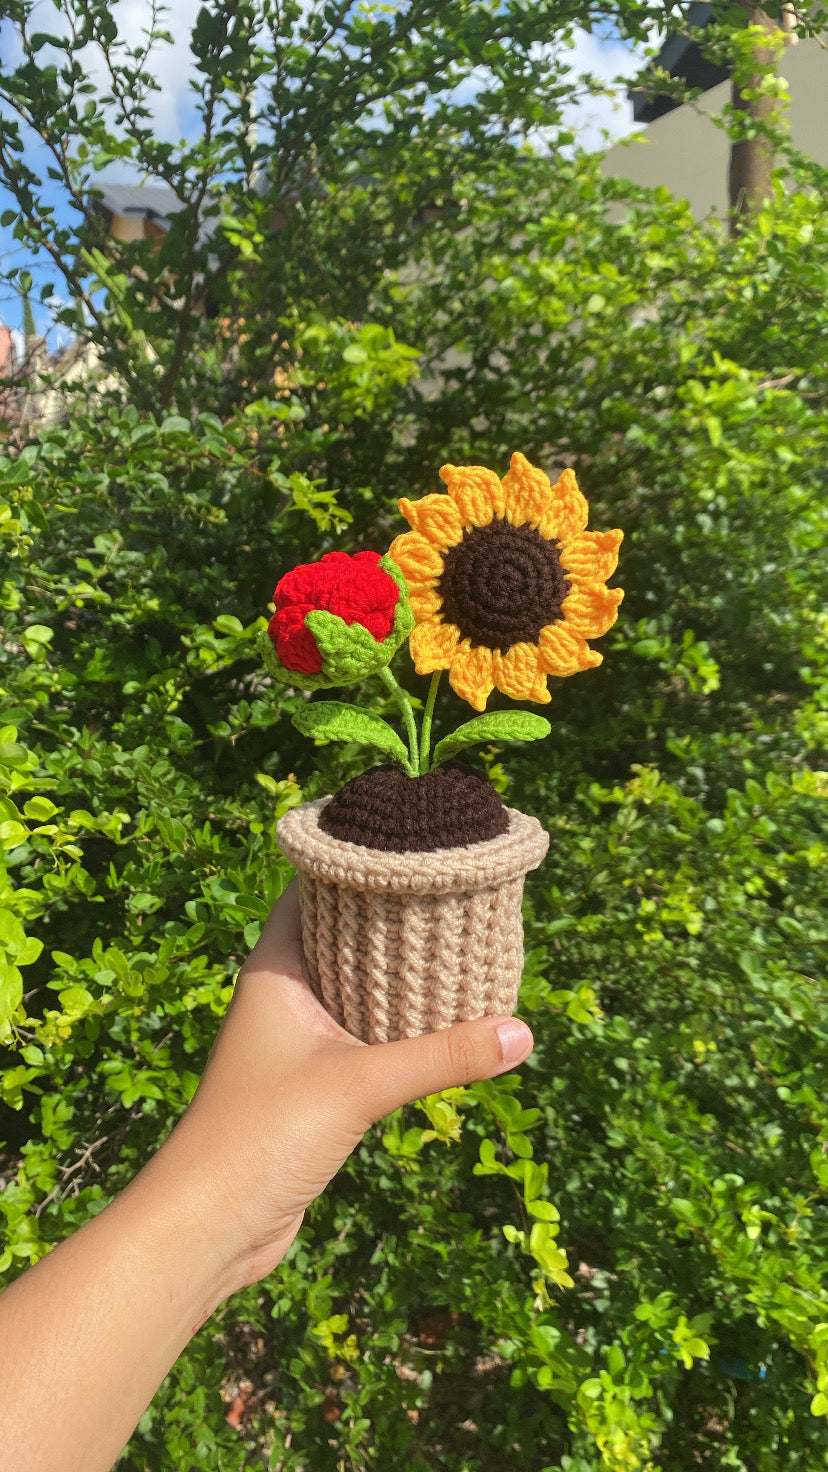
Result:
411,876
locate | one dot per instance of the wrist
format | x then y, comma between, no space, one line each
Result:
169,1216
198,1203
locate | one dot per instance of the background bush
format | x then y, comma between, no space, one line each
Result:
615,1259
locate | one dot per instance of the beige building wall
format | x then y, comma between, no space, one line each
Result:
135,227
45,402
685,151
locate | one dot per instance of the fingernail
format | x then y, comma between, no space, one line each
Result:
516,1041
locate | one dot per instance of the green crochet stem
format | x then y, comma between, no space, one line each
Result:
408,715
425,735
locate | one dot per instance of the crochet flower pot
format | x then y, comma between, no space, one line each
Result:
412,875
399,943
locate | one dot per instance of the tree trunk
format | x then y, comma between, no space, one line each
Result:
752,159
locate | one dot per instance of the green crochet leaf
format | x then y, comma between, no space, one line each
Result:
501,725
333,720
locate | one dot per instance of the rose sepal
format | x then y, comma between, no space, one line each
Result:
264,646
403,617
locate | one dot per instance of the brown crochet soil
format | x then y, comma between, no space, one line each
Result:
384,809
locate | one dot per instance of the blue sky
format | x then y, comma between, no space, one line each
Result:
174,116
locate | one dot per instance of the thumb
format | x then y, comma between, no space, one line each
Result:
396,1073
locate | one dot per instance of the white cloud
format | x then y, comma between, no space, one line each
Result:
171,64
591,118
172,108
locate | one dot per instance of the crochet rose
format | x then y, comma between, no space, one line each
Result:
336,620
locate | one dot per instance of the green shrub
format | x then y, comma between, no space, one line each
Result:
615,1260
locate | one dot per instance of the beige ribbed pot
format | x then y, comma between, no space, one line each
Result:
402,944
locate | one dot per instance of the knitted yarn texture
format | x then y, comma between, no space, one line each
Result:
354,588
399,944
445,808
505,583
336,620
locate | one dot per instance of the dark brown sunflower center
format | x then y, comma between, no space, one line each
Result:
502,584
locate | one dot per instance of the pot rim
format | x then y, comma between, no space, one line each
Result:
469,867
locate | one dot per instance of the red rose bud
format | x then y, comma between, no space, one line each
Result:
337,619
355,588
294,644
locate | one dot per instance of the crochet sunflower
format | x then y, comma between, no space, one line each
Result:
498,582
505,583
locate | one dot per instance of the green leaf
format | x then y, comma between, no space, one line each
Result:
11,994
688,1211
12,834
500,725
333,720
349,651
227,623
40,809
12,934
543,1210
144,903
76,1000
36,637
29,951
64,961
714,429
12,754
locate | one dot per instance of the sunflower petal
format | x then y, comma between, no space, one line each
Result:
417,560
540,691
526,491
563,653
471,674
516,672
424,600
592,557
476,492
558,511
569,511
436,518
432,645
591,609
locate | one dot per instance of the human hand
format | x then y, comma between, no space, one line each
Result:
287,1095
94,1327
